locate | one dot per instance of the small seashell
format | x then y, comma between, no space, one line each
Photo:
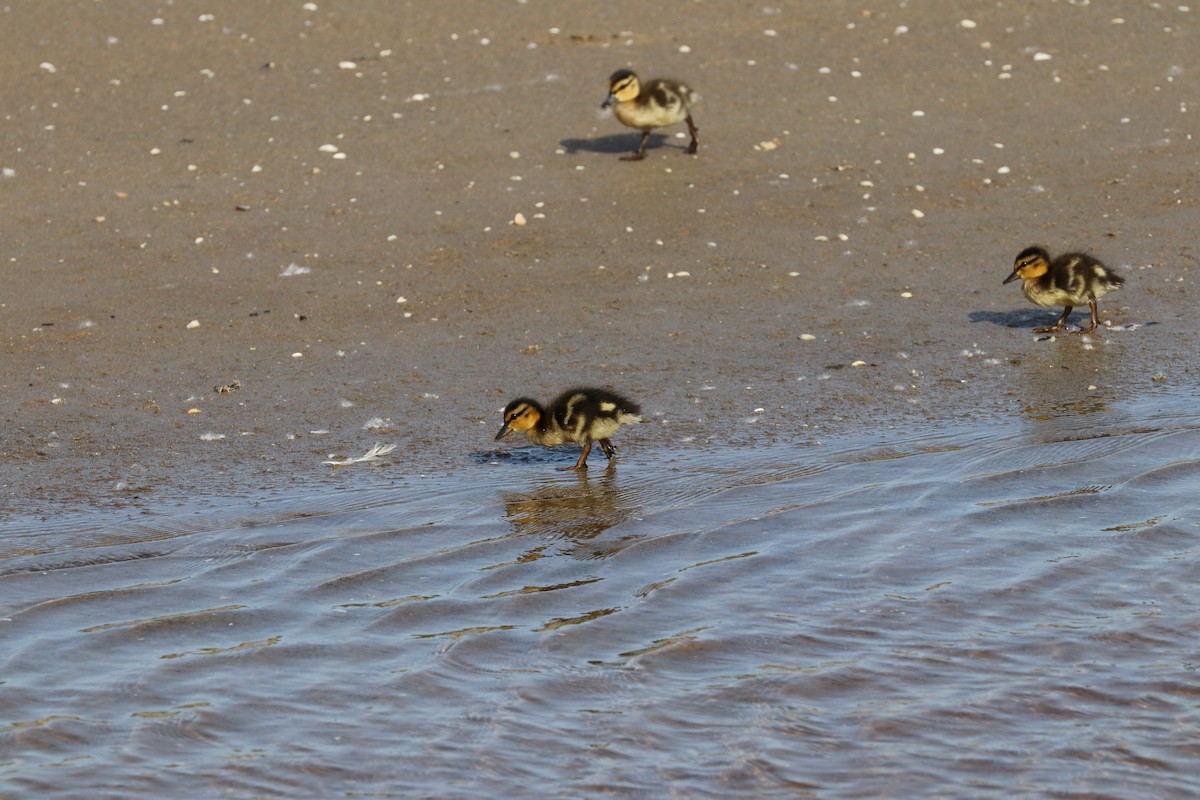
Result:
519,219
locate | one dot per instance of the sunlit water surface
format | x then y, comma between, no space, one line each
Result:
999,612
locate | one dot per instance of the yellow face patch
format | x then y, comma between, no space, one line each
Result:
626,89
1031,267
521,418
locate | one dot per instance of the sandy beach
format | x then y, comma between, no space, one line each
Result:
315,205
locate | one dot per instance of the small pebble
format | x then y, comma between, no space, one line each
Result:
519,219
806,337
193,324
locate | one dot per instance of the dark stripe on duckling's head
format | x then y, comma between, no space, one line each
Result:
519,416
622,87
1030,263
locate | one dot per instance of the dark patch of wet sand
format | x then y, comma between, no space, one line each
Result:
163,167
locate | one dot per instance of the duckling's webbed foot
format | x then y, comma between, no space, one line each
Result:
609,448
1095,318
581,464
1058,326
641,151
693,130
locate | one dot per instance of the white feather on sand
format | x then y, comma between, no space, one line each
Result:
371,455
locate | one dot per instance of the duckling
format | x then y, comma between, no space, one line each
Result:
659,103
581,416
1069,280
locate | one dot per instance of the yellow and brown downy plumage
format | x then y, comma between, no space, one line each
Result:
577,416
656,104
1069,280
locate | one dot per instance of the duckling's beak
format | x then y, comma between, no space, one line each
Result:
1011,277
504,431
608,101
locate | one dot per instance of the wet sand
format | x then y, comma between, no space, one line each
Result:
165,168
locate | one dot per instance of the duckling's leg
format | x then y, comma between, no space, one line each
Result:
609,448
641,151
693,130
1058,326
582,462
1095,317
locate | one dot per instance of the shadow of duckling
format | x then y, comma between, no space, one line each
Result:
1023,318
614,143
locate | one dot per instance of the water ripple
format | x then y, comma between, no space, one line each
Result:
972,613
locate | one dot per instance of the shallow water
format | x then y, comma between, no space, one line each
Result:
1001,611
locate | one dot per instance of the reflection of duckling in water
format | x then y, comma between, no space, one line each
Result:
579,416
659,103
1069,280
